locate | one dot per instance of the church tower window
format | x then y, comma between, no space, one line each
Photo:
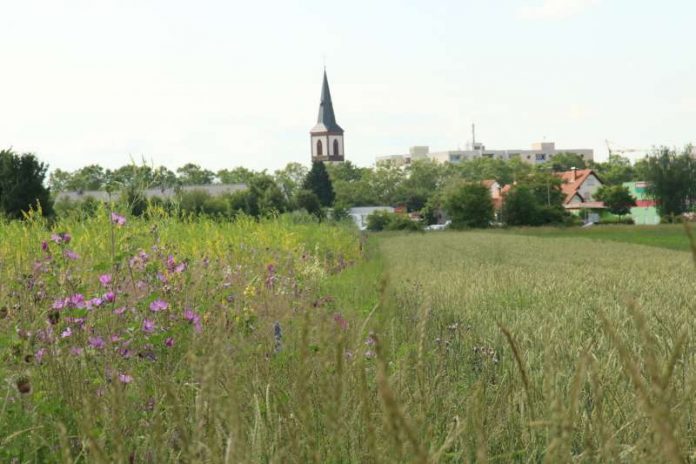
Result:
319,148
335,147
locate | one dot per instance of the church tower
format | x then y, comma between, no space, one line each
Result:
326,135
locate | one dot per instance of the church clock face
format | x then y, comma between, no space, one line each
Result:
327,136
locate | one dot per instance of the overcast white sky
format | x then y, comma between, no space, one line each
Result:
231,83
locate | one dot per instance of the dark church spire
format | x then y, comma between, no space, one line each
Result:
326,117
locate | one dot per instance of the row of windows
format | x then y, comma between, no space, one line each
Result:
320,148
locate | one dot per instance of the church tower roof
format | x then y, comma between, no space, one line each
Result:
326,121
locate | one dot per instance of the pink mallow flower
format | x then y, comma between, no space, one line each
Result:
119,311
105,279
193,318
158,305
96,342
148,326
71,255
117,219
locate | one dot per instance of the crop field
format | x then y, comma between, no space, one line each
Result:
131,340
670,236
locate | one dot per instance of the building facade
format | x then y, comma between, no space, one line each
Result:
327,136
539,153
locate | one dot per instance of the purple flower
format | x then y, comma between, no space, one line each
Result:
148,326
59,303
105,279
66,333
95,302
119,311
61,237
76,351
169,342
70,254
158,305
115,338
193,318
369,354
110,297
40,354
77,300
125,352
117,219
125,378
96,342
44,245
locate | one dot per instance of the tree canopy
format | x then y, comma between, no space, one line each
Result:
22,184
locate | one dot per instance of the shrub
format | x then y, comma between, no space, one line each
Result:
469,205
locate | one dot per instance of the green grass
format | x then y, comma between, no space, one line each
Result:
671,236
444,347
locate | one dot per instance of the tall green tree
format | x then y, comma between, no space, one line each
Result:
290,178
238,175
22,184
193,174
616,170
469,205
318,181
671,178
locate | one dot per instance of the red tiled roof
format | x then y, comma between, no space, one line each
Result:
572,180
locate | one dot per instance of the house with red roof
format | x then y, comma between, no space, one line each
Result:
579,187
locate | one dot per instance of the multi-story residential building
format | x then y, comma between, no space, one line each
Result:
539,153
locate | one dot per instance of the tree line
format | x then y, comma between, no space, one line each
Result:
423,186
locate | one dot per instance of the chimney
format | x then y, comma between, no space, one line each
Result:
575,173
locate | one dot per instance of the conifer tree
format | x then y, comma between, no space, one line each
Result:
318,181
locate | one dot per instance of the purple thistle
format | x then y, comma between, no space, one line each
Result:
44,246
105,279
59,303
110,297
158,305
66,333
169,342
125,378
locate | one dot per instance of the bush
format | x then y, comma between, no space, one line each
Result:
469,205
384,220
522,208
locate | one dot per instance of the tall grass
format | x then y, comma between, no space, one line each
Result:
279,342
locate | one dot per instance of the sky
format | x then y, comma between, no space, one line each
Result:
230,83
